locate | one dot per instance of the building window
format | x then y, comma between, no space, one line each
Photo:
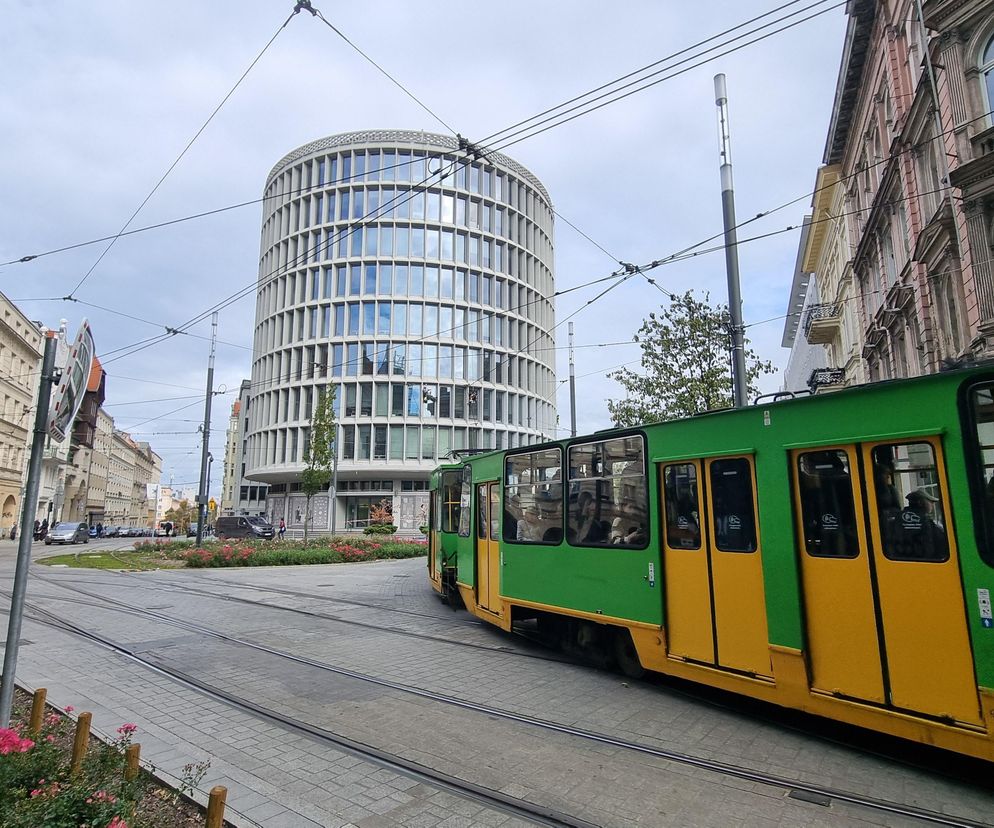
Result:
987,72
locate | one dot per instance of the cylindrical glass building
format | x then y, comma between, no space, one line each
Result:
416,283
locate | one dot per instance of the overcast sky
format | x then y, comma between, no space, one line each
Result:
99,98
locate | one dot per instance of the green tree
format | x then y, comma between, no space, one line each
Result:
686,367
319,450
182,516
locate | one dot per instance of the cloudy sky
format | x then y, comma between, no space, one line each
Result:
99,98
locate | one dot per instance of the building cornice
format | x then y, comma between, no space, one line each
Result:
978,171
862,14
400,137
825,183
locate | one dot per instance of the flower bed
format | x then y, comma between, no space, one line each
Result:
322,550
37,787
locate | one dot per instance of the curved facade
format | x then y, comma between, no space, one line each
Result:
420,299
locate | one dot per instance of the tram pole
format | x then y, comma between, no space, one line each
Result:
739,384
28,508
572,387
202,495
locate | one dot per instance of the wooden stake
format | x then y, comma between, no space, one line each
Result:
215,807
131,757
81,742
38,710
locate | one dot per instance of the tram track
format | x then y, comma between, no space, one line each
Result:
819,794
189,590
811,727
513,806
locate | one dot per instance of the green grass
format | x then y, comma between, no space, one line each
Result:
106,560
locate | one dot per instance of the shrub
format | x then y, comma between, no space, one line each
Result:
321,550
380,529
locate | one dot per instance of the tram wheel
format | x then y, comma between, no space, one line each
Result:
626,656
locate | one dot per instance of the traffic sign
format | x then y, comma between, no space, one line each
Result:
68,397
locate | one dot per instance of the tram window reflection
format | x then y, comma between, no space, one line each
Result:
909,503
733,505
982,449
681,496
608,498
828,511
533,497
449,502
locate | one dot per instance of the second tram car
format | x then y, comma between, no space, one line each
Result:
833,554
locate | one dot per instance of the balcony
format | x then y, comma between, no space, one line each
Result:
821,322
826,379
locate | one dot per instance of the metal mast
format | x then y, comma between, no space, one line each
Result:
739,385
202,496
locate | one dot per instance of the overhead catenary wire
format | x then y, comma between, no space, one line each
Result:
643,275
536,117
634,87
179,158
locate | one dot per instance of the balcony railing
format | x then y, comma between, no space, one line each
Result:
821,322
822,379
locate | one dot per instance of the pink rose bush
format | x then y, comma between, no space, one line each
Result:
37,788
317,550
11,742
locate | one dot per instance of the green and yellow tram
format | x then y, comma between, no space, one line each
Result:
833,554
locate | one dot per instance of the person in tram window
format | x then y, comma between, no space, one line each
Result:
628,529
922,537
588,528
529,528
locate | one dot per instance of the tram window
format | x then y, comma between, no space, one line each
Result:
608,500
533,497
494,513
909,503
828,511
465,499
481,515
982,460
733,504
680,492
451,489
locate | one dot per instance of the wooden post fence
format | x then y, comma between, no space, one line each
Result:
132,756
81,742
37,710
215,806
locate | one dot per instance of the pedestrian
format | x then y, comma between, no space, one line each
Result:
13,532
282,528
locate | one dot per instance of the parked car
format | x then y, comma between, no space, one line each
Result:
93,531
243,527
68,533
191,530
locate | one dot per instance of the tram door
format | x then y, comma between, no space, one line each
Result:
433,524
488,546
883,596
716,607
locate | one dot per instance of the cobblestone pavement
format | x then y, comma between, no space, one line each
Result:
387,623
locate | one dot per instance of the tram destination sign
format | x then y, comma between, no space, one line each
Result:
68,397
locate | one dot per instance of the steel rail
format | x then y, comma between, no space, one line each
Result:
521,808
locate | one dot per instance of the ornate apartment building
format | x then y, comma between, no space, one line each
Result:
900,236
21,346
